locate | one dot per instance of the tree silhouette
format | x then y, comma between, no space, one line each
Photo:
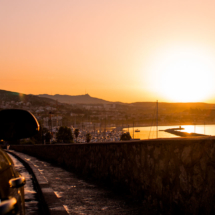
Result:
76,132
125,136
88,137
48,137
64,135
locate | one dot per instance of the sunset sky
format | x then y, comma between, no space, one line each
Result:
118,50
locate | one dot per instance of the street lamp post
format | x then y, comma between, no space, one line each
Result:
50,120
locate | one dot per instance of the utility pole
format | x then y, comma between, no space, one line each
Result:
50,118
100,126
204,127
105,128
91,125
87,124
194,127
133,129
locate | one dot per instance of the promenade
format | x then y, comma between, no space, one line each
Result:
65,193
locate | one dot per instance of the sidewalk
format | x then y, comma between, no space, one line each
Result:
49,200
65,193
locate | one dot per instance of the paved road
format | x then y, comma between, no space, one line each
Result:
80,197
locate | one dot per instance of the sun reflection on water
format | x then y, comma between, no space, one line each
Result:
188,128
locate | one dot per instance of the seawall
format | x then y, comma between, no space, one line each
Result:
177,176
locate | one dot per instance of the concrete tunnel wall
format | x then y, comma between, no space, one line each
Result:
174,175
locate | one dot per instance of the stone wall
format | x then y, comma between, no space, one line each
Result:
175,175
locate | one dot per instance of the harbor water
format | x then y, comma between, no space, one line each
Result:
151,132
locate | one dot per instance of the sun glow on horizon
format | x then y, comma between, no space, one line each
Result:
184,74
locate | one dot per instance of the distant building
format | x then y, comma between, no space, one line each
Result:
93,107
109,106
88,124
54,121
73,114
39,111
51,108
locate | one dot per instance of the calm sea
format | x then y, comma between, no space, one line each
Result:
150,132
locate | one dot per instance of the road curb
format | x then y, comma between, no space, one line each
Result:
51,204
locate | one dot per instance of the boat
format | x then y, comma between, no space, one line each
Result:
137,130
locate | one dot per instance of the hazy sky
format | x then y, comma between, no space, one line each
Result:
118,50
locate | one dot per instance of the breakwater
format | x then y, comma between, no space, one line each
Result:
182,133
176,176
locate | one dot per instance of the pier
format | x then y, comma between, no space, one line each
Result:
176,131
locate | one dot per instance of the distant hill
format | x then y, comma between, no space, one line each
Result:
81,99
50,100
8,96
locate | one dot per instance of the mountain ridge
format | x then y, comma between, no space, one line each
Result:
46,99
76,99
6,95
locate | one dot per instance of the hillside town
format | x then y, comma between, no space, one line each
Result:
105,122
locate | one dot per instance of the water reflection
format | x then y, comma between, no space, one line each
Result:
188,128
150,132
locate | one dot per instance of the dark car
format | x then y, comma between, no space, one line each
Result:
14,125
11,187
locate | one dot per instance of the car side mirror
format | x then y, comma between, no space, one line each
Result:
17,182
17,124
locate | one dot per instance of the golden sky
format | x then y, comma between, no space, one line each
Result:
118,50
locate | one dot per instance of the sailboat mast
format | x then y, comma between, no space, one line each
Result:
157,118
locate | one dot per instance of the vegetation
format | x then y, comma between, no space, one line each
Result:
76,132
27,141
48,137
88,137
64,135
125,136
